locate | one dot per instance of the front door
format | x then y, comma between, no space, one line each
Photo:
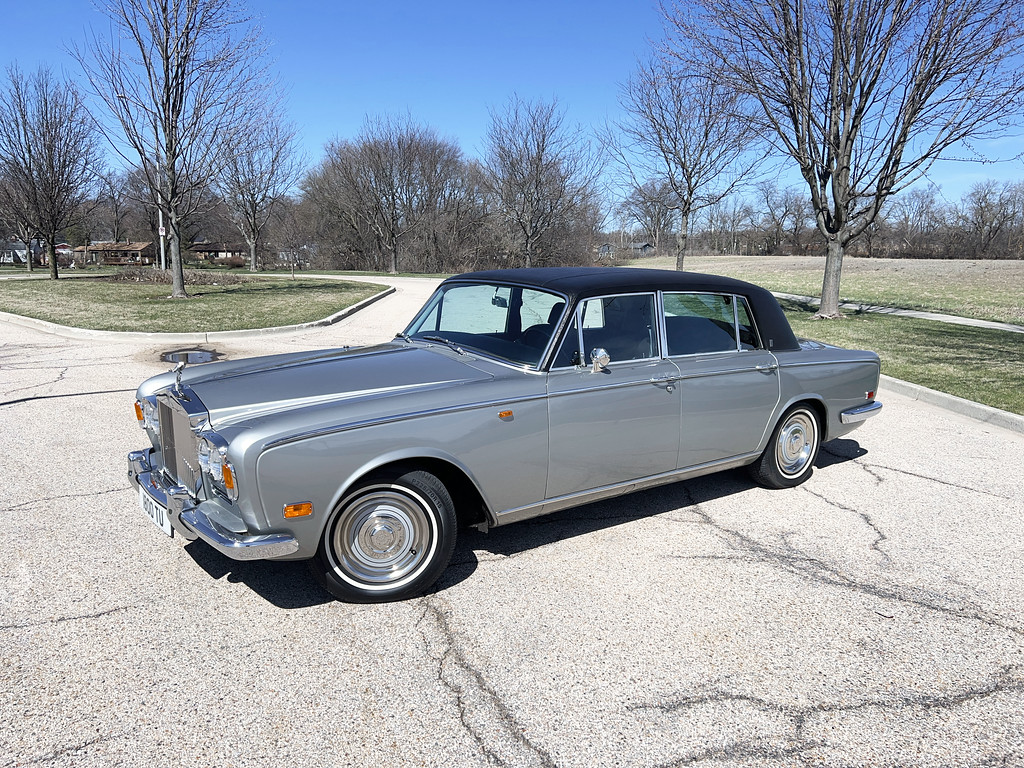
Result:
619,423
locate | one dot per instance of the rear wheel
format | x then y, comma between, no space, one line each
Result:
389,539
788,460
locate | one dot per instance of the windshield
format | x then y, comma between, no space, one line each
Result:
508,322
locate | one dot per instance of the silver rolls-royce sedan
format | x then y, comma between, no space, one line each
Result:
511,394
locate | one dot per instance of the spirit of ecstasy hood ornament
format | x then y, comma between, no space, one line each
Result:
177,379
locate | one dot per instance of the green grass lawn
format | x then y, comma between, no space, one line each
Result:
986,366
124,306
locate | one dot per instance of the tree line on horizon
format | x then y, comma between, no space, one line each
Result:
859,98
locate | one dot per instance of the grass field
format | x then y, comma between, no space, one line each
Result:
123,306
987,290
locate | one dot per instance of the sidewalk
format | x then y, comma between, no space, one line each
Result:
951,319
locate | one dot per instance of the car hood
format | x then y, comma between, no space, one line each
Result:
236,391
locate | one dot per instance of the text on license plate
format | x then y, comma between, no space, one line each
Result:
155,512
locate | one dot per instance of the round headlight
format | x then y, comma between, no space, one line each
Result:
204,451
149,414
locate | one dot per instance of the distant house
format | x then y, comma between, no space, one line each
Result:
639,249
64,255
125,254
14,252
232,254
605,251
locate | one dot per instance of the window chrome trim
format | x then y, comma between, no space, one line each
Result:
736,298
658,327
546,355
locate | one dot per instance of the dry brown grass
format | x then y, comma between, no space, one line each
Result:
988,290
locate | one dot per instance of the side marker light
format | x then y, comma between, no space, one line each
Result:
302,509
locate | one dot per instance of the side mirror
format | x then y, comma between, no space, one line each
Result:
600,359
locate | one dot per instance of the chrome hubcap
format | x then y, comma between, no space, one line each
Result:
381,537
797,440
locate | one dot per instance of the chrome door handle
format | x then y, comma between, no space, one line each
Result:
767,367
668,382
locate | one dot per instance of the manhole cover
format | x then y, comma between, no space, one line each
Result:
191,356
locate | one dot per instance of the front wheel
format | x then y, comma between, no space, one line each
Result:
788,460
389,539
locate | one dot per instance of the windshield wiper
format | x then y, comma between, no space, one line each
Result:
404,337
447,342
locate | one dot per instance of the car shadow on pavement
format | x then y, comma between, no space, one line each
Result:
580,521
286,584
289,585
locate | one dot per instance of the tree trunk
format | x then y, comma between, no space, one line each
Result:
51,255
682,240
829,308
177,267
253,263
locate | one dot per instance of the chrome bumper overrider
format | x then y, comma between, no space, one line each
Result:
192,521
860,413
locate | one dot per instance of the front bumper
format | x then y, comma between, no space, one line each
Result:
198,521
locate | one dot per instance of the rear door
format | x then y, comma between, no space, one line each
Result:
729,383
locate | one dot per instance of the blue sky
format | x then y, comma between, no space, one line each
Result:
446,63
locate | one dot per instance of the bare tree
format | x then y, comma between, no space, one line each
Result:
48,156
260,167
687,131
541,173
989,214
191,70
387,184
781,213
916,217
863,95
15,218
652,206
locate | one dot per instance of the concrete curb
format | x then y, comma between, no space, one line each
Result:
972,410
187,338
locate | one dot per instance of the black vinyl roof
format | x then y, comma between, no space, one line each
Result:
584,282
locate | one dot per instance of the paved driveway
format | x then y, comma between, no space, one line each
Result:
874,616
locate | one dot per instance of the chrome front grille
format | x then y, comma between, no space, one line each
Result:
178,443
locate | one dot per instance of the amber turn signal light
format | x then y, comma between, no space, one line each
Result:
302,509
138,413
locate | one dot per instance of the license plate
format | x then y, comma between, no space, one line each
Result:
155,512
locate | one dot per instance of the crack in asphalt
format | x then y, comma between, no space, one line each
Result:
21,400
484,715
62,619
880,537
91,494
62,371
1008,679
802,565
932,479
56,754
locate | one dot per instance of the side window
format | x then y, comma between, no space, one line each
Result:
622,325
748,332
697,323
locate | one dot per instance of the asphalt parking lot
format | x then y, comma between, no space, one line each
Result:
872,617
